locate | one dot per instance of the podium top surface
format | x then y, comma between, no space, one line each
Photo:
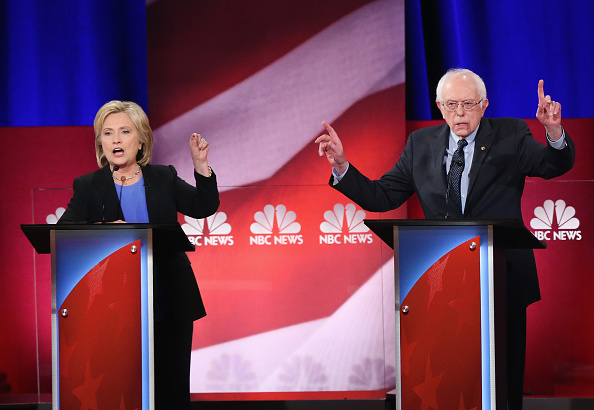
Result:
508,233
170,233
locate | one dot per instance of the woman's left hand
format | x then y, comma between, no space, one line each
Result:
199,150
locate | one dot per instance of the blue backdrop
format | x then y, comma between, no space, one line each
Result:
511,44
61,60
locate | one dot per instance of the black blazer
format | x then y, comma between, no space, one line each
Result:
505,153
176,293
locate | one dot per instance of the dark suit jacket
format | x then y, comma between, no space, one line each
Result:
176,293
505,154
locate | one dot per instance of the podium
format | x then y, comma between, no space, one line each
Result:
450,298
102,310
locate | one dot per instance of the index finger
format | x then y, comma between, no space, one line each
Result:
330,130
541,94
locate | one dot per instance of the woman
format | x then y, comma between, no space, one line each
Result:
129,189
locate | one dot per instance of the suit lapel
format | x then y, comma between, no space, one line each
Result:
482,145
108,196
151,192
438,150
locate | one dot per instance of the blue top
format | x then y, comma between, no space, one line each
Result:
133,202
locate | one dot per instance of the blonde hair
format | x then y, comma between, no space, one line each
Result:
141,122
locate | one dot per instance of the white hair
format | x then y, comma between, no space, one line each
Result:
455,72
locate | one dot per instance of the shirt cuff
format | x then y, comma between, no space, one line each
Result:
560,143
337,177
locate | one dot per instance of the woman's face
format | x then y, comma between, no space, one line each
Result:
120,140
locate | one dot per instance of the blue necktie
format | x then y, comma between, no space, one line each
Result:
455,175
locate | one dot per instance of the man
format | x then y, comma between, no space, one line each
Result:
471,167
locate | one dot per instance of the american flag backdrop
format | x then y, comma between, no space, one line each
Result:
299,292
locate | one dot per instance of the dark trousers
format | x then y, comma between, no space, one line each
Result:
516,357
173,348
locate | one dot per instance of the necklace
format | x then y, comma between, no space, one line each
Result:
123,178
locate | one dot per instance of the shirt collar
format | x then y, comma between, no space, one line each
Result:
470,139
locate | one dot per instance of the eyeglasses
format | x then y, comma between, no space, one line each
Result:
467,105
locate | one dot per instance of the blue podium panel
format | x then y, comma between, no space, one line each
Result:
102,318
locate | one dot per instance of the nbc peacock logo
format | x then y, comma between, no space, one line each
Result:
555,221
213,230
344,224
53,218
275,226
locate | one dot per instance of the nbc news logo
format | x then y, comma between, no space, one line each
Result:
213,230
344,224
555,215
275,226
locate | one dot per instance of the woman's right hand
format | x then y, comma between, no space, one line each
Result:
199,150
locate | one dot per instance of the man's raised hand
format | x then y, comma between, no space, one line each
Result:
549,113
331,145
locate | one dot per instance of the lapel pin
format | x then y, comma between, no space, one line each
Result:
482,148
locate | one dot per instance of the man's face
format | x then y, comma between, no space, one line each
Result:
462,89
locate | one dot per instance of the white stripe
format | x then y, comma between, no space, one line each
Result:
360,330
257,126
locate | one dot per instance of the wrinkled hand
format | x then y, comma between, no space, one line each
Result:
549,113
199,150
330,145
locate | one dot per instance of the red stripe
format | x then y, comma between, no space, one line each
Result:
373,139
198,49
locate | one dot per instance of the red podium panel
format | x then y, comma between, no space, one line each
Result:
99,333
450,292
